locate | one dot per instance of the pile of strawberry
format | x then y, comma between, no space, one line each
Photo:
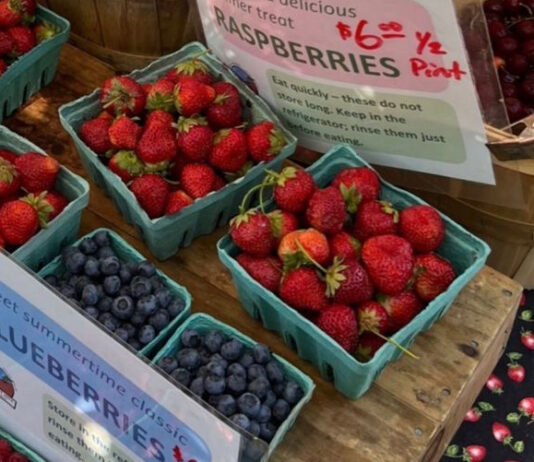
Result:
8,454
19,31
178,139
350,262
28,199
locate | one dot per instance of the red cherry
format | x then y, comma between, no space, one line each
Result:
472,416
506,46
517,64
497,30
490,17
509,90
525,29
527,48
494,6
526,406
500,431
527,339
515,108
476,453
512,6
516,373
494,384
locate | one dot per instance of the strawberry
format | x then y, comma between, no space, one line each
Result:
339,322
194,138
6,43
5,448
303,289
282,223
8,155
23,39
516,372
18,222
251,232
218,183
45,31
375,218
9,179
475,453
326,210
178,200
159,119
372,317
122,95
229,153
43,208
2,246
423,227
197,179
368,346
18,458
401,308
357,185
124,133
526,406
95,134
495,384
225,111
474,414
293,189
28,7
56,201
152,192
10,13
126,165
192,97
157,145
265,141
161,96
304,247
433,276
390,261
192,69
3,66
527,339
37,171
345,246
348,283
266,270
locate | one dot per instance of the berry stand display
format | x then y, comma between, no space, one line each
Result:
17,447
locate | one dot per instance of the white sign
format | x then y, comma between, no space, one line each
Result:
390,77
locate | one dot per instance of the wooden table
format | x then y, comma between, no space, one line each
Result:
415,407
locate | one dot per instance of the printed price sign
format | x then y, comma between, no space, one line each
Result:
72,393
390,77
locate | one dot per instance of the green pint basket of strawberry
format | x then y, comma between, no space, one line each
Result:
346,267
31,38
41,202
14,450
177,145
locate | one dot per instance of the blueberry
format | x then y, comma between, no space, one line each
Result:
125,290
217,357
264,415
137,319
255,371
156,282
88,246
214,341
293,393
236,384
81,282
261,353
134,343
236,369
51,280
140,287
92,311
202,372
176,306
112,285
105,304
213,400
182,376
216,368
105,252
122,334
254,428
129,328
159,320
267,431
270,398
279,388
214,385
125,274
67,251
281,410
108,321
68,291
275,372
232,350
227,405
259,387
147,305
75,262
197,386
100,290
246,360
241,420
163,295
123,307
72,280
249,404
90,295
92,268
205,355
168,364
102,239
146,269
110,266
190,338
146,334
188,358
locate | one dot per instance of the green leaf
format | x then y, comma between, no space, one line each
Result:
515,356
452,450
484,406
526,315
513,417
519,447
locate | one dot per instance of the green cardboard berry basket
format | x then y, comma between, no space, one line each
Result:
61,231
203,324
34,70
21,447
165,235
127,253
352,378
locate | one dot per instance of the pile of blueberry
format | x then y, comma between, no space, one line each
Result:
127,298
248,386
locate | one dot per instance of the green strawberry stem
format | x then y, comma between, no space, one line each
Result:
243,207
111,102
309,257
394,343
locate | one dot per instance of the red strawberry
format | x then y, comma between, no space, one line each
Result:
473,415
527,339
372,317
218,183
495,384
197,179
401,308
339,322
314,243
516,372
10,13
17,458
28,7
178,200
159,119
194,138
95,134
192,69
37,171
375,218
422,226
265,141
229,153
251,232
10,180
501,432
326,210
266,270
122,95
303,289
348,283
23,39
282,223
192,97
6,43
152,192
5,448
368,346
526,406
390,261
56,201
157,146
106,116
161,96
357,185
126,164
475,453
43,208
18,222
293,189
3,66
124,133
225,111
45,31
433,276
345,246
8,155
2,245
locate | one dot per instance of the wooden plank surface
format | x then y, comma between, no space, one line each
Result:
414,408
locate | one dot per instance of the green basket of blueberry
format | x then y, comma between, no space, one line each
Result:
252,389
115,285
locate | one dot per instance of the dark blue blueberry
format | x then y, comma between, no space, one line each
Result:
279,388
232,350
197,386
67,251
202,372
214,340
241,421
213,400
137,319
100,290
125,274
105,252
74,262
134,343
156,282
236,369
188,358
270,398
168,364
90,295
112,285
159,320
109,321
249,404
264,415
147,305
146,334
110,266
68,291
227,405
129,328
214,385
140,287
236,384
92,268
176,306
81,282
182,376
259,387
72,280
105,304
293,393
246,360
217,357
92,311
190,338
205,355
261,353
125,290
88,246
216,368
267,431
255,448
122,334
255,371
275,372
164,296
254,428
123,307
102,239
146,269
51,280
281,410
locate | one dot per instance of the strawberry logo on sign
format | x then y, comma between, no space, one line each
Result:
7,389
